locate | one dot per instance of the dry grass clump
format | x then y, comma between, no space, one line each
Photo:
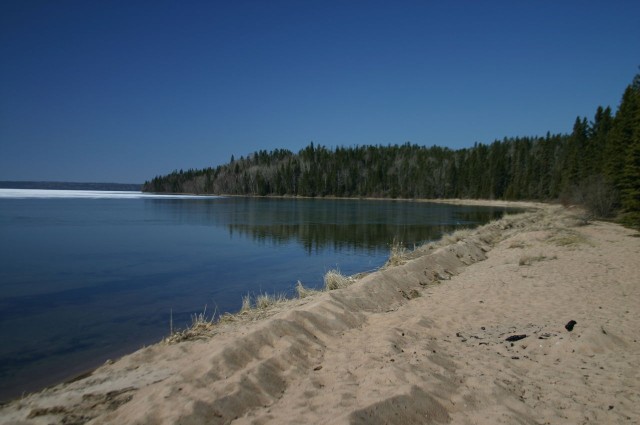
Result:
228,317
509,225
447,239
264,301
569,238
508,221
545,222
527,260
413,293
333,279
200,322
253,308
261,301
304,292
456,236
246,303
201,327
428,246
397,256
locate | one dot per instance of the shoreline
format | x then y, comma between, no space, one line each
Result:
491,203
64,370
451,201
313,349
79,371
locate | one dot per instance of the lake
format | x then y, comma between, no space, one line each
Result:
88,276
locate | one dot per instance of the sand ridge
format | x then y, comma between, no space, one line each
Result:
420,342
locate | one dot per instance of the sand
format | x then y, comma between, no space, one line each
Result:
422,341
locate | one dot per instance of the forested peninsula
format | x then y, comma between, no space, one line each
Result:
597,165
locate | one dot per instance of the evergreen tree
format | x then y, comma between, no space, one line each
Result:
629,122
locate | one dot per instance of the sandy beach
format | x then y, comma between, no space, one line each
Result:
532,319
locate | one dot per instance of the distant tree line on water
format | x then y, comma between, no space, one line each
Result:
598,165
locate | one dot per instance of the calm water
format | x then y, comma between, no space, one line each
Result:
85,277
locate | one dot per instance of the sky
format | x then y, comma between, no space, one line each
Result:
122,91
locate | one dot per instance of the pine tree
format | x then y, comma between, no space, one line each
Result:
620,137
630,176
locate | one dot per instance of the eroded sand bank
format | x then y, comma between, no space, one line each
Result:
420,342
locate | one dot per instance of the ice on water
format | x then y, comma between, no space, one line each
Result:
89,194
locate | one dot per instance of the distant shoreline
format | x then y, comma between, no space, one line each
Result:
451,201
70,186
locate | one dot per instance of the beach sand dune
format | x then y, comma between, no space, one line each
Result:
472,330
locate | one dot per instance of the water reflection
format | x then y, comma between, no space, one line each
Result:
319,224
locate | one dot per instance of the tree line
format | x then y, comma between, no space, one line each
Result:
597,163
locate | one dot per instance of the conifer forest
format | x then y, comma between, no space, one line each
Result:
596,165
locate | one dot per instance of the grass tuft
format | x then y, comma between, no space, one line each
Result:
246,303
398,254
568,238
456,236
201,326
304,292
227,318
264,301
527,260
333,279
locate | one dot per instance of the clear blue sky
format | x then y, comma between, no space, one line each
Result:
121,91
